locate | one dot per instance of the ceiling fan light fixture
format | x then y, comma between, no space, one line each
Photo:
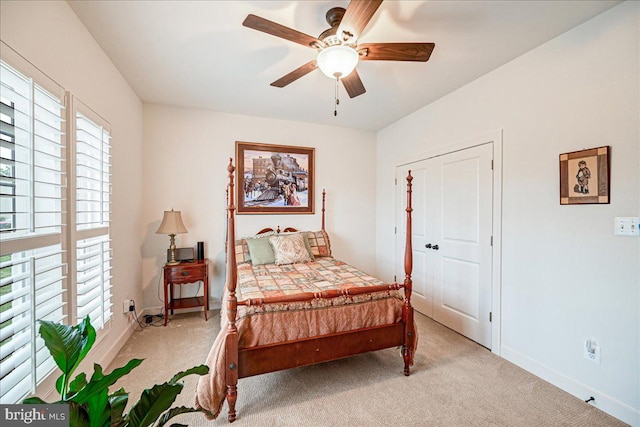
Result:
337,61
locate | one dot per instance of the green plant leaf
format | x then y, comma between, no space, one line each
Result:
101,382
60,383
76,385
89,338
152,403
33,401
99,409
68,345
199,370
118,401
173,412
78,416
63,343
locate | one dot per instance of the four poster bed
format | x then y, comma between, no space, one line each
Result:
285,314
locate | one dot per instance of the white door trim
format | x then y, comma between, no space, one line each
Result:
494,137
496,276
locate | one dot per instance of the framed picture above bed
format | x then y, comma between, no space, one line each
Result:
584,176
274,179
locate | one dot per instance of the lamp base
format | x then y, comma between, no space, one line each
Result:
172,249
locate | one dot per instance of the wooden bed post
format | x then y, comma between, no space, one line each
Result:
324,195
407,310
231,344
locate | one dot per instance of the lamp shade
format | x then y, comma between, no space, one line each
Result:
337,61
172,223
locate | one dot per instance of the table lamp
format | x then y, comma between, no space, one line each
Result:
172,225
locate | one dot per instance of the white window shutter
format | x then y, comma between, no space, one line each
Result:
92,216
32,195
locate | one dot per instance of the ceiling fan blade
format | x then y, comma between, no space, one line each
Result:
295,74
357,16
353,84
395,51
275,29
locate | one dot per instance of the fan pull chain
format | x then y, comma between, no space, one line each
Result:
337,101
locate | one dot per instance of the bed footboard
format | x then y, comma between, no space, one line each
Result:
324,348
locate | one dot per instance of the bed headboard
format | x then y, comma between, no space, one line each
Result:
277,230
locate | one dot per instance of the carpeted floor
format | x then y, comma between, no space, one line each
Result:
454,382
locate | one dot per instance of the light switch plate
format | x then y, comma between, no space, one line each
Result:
627,226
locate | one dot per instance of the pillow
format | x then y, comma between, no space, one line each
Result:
260,250
319,243
306,241
242,248
289,249
242,251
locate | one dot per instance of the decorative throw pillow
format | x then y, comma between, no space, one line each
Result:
306,241
289,249
319,243
260,250
242,251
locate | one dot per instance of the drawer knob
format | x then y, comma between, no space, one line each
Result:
185,273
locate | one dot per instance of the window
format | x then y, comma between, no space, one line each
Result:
92,208
54,220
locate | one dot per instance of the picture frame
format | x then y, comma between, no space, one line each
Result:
274,179
585,176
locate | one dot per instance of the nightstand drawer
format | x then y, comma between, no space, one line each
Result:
180,273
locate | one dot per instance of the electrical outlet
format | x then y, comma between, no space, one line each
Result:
128,305
592,350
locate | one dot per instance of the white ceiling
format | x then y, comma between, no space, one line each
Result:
197,53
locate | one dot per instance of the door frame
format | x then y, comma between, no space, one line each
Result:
495,138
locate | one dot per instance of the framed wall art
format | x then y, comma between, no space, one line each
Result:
584,177
274,179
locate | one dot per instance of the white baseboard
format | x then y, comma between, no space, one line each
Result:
605,403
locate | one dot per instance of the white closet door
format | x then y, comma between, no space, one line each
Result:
451,237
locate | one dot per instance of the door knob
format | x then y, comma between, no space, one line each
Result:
428,246
435,247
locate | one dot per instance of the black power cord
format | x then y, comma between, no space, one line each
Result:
146,324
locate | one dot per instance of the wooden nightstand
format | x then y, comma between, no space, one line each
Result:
183,273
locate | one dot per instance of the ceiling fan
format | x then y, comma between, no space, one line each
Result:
337,48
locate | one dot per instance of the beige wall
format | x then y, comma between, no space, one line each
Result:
186,155
565,276
50,36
